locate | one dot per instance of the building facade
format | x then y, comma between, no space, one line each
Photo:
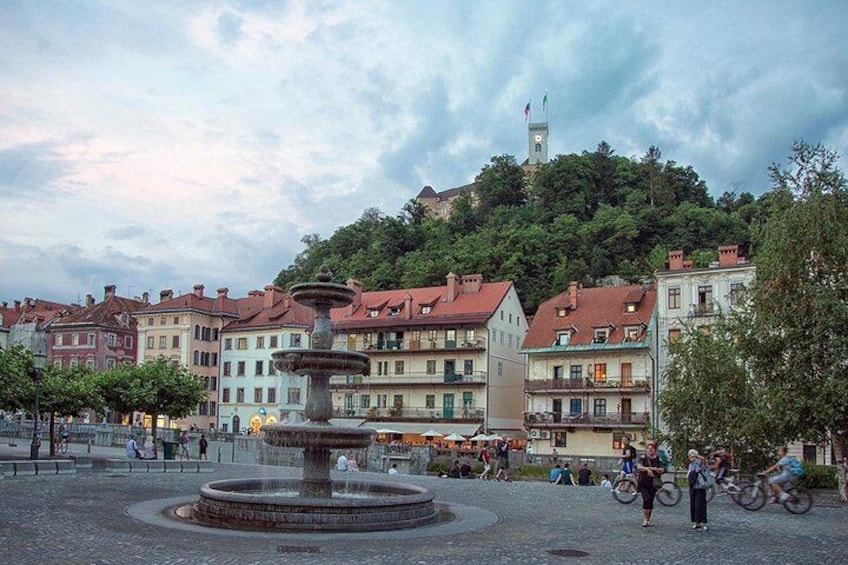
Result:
252,392
591,371
443,358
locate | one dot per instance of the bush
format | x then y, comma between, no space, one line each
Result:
818,476
533,472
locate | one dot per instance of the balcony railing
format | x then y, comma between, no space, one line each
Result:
704,309
632,384
407,379
585,419
412,413
409,344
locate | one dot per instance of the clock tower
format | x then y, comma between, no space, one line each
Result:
537,134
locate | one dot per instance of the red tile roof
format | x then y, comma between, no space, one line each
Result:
468,307
103,314
596,308
206,304
284,312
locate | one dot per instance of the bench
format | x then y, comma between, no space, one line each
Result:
29,468
139,466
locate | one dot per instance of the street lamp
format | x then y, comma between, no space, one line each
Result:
39,361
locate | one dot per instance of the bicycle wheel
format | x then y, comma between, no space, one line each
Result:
63,447
669,494
712,491
753,496
624,490
799,502
735,491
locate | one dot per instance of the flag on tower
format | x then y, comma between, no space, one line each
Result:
527,112
545,102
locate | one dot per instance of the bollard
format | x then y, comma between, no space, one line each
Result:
89,445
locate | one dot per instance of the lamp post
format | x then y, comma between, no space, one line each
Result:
39,361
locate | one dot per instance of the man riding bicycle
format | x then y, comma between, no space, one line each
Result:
790,469
628,458
720,462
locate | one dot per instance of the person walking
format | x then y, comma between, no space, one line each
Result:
650,469
132,449
486,458
503,460
182,443
697,493
202,445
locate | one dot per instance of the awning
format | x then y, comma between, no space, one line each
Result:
418,428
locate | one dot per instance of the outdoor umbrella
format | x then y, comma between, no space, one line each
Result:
387,431
454,437
431,433
480,437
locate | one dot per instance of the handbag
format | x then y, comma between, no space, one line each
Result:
704,480
657,482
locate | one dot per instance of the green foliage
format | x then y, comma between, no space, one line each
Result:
68,391
16,384
818,476
535,472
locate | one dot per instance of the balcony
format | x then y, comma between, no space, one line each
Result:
411,345
412,413
631,385
557,420
407,380
704,309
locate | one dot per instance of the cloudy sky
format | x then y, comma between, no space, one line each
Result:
158,145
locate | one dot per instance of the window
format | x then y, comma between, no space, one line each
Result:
213,408
373,312
241,343
736,290
705,299
294,340
431,366
673,335
450,338
111,339
468,367
397,401
674,298
559,439
150,342
213,383
110,363
240,395
575,406
398,367
601,335
74,361
381,400
382,368
91,339
365,401
74,339
273,342
163,342
631,334
214,334
58,339
563,337
618,440
430,401
257,395
260,342
576,372
260,368
630,307
214,360
128,341
175,342
500,368
89,362
558,371
293,395
196,357
163,321
196,331
272,395
600,372
149,321
228,343
176,320
561,312
240,369
227,368
510,340
394,311
600,407
426,309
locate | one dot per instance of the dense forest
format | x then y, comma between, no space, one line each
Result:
581,217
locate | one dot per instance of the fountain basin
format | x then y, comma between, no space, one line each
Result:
273,505
318,361
313,436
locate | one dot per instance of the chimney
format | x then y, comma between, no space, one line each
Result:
198,290
17,305
472,283
728,255
407,306
89,300
166,294
453,288
675,260
357,295
271,293
145,297
572,294
109,291
5,305
219,301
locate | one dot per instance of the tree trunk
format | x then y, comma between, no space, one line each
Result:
841,466
153,418
52,434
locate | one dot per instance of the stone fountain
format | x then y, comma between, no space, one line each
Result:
316,503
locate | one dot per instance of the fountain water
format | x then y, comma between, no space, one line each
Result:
316,502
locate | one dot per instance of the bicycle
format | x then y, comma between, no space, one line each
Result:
624,490
798,501
730,487
61,445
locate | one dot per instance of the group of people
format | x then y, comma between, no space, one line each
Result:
561,474
148,451
346,463
501,456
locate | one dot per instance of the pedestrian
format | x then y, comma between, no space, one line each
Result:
584,476
529,451
182,444
393,470
605,481
351,462
650,480
502,449
341,463
202,445
555,476
567,475
486,458
149,450
132,449
697,492
554,456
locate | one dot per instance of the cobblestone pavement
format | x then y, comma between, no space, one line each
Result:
84,519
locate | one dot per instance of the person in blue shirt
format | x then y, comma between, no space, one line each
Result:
555,478
790,468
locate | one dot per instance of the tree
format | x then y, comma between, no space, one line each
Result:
500,183
16,366
797,336
67,391
157,387
708,398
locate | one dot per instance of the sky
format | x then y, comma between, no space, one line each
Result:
158,145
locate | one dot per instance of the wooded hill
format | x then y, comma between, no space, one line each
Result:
581,217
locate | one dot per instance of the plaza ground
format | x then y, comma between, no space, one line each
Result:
92,517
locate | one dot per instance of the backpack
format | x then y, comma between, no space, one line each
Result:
796,469
480,456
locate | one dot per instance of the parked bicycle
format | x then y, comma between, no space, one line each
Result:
797,501
61,444
624,490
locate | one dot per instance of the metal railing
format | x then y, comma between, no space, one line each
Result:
411,412
578,419
409,344
633,383
450,377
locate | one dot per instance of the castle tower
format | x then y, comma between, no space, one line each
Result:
537,141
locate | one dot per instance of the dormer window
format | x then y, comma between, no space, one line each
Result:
426,309
630,307
394,311
373,312
631,333
601,335
561,312
563,338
